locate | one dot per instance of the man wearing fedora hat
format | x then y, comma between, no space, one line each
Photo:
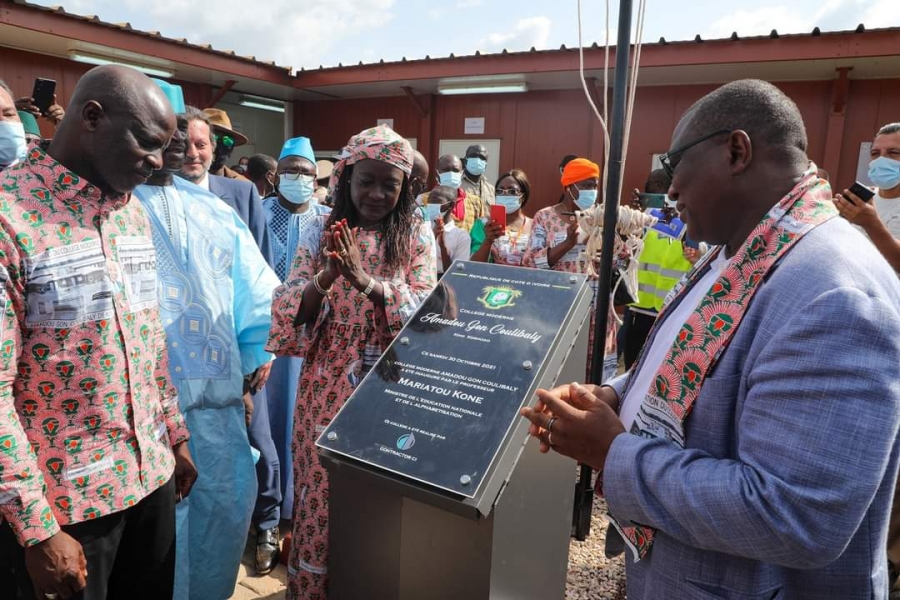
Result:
238,193
227,139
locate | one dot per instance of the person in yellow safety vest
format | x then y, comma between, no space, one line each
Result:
662,263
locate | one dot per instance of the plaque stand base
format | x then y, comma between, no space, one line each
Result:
386,545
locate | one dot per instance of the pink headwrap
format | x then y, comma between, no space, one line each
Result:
378,143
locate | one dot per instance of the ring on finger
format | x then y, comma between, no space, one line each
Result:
550,424
549,438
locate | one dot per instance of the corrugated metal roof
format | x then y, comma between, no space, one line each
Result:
860,29
152,34
595,46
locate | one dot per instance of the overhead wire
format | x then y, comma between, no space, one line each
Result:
631,223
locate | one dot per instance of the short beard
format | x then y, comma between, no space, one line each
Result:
193,178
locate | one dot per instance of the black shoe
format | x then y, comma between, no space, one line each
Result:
267,551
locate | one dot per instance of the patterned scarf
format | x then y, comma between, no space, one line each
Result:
705,335
378,143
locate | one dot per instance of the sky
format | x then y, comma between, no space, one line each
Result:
310,33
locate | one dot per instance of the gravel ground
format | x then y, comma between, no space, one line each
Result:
591,575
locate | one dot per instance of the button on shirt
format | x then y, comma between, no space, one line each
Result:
88,415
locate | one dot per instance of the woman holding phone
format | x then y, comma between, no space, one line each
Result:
505,245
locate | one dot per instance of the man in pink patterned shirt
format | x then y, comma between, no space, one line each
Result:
90,430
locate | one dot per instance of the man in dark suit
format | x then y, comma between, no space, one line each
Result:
241,195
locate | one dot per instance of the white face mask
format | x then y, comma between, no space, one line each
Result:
296,189
510,202
13,147
450,179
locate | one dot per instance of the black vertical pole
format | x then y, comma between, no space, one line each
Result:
585,493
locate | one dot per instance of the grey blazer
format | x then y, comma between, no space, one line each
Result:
784,488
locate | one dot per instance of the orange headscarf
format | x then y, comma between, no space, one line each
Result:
579,169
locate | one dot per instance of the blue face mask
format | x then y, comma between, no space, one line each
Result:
509,202
12,143
432,212
885,173
475,166
450,179
586,199
296,191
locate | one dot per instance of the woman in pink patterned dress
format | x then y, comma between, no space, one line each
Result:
556,243
353,284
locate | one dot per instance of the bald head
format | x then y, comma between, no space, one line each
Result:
420,166
418,178
449,162
735,153
764,112
115,130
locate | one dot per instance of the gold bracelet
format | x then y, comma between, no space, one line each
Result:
319,288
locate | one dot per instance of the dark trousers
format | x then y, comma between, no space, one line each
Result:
130,554
267,512
636,328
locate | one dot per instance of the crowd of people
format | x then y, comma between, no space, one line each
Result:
177,333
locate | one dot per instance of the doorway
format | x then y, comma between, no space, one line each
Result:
458,147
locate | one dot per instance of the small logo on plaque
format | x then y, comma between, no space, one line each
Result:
406,441
495,298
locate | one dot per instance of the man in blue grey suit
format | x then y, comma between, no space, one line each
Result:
241,195
752,450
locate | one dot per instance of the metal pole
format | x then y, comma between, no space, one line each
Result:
585,493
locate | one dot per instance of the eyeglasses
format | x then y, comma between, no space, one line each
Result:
225,140
295,176
509,192
666,159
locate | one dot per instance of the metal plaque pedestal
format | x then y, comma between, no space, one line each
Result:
392,538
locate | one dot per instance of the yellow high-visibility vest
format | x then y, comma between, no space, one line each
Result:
661,265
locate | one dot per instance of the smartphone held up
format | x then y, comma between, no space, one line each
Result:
862,192
43,93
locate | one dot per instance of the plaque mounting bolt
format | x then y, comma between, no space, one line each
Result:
573,279
527,365
465,480
460,266
331,436
404,341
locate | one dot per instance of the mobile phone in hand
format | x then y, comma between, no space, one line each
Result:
652,200
498,215
861,192
42,95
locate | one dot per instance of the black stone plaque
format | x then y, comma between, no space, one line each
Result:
440,402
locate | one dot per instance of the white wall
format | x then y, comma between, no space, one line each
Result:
264,128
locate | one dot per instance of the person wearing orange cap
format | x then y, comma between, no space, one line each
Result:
557,242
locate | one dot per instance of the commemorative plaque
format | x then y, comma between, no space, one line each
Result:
440,402
436,490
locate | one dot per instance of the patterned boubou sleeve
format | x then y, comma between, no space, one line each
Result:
536,254
286,338
404,293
